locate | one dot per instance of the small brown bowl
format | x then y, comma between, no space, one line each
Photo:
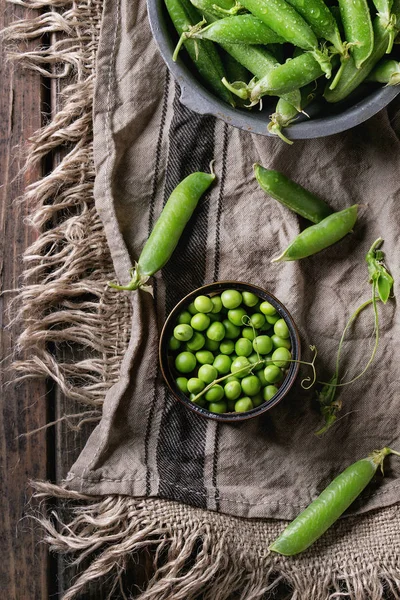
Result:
217,288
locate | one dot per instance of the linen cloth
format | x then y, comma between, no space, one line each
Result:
145,142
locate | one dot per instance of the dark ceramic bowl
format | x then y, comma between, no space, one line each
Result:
168,369
326,119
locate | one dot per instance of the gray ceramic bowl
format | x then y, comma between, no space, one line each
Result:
166,358
325,119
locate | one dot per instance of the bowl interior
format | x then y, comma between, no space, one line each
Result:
217,288
326,119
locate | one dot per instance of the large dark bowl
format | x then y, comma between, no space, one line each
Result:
217,288
326,119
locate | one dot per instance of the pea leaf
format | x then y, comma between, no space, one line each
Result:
379,276
385,283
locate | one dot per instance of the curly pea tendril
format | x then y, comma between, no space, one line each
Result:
306,383
382,284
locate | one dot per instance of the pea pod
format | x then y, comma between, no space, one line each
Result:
387,71
203,54
320,236
254,58
384,8
292,195
358,29
351,76
295,73
301,533
283,18
168,229
322,22
241,29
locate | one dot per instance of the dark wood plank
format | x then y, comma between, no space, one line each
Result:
23,561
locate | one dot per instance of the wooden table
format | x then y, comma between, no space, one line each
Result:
27,571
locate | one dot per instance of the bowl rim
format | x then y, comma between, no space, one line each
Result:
196,97
216,287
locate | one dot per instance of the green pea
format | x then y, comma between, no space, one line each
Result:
198,401
205,357
243,347
279,342
267,309
239,364
216,332
231,378
231,331
185,362
173,343
235,316
215,393
218,407
281,358
273,374
195,385
200,322
257,320
231,298
261,377
203,304
251,385
249,299
217,304
262,344
254,359
222,363
192,309
269,392
243,405
227,346
272,319
196,342
257,400
232,390
207,373
248,333
281,329
182,382
184,318
211,345
183,333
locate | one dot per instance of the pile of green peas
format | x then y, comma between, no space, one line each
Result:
235,339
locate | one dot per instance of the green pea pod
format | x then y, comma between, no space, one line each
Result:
292,195
168,229
320,236
295,73
203,54
308,527
241,29
351,76
387,71
254,58
384,8
321,21
283,18
358,29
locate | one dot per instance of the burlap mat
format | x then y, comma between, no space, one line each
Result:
355,560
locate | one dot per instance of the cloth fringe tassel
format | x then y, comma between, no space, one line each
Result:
196,554
65,300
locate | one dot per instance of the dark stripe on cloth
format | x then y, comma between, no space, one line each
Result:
217,258
151,223
182,436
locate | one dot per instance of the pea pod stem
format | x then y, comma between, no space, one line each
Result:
168,229
324,511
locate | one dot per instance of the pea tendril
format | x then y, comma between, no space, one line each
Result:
382,283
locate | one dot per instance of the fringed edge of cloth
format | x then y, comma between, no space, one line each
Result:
197,555
64,300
